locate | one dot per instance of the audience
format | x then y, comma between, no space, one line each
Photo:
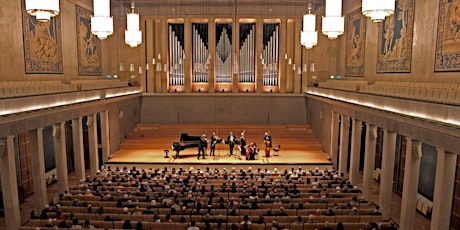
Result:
181,194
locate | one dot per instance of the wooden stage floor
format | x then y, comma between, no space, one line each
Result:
142,149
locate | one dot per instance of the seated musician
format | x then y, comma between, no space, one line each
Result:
252,151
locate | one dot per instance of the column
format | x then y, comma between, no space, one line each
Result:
9,183
369,160
355,150
236,54
344,137
386,176
410,187
259,50
164,56
38,168
212,51
61,157
334,145
78,150
443,190
283,50
150,53
188,55
297,84
92,140
159,62
291,55
105,135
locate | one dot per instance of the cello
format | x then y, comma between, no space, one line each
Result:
267,148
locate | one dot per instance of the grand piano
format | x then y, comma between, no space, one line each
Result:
185,142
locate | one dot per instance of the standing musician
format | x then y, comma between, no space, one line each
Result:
203,143
231,142
268,144
243,145
213,144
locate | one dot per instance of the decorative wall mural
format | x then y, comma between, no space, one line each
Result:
448,37
394,53
356,40
42,45
88,45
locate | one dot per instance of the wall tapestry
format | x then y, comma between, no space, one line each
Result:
88,45
448,37
42,45
394,54
356,40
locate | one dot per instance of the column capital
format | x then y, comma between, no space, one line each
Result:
389,131
372,131
440,151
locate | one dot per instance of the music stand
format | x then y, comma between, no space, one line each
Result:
218,141
166,153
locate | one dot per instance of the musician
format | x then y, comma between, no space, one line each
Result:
213,144
231,142
268,143
252,151
243,145
203,143
268,139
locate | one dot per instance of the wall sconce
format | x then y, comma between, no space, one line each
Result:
293,67
312,67
140,69
304,68
147,66
299,71
289,61
122,67
131,67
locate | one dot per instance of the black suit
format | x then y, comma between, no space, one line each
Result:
202,145
213,146
268,138
231,143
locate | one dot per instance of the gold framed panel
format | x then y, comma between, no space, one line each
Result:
88,45
447,57
394,54
355,44
42,45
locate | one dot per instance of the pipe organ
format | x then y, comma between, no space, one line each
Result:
223,63
230,63
270,54
247,53
176,65
201,56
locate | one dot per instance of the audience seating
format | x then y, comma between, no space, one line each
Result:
433,92
116,190
31,88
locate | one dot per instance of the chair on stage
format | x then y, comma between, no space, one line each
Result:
276,150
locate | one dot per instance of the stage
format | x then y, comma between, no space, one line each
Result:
145,147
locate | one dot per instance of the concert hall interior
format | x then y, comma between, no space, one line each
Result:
346,100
